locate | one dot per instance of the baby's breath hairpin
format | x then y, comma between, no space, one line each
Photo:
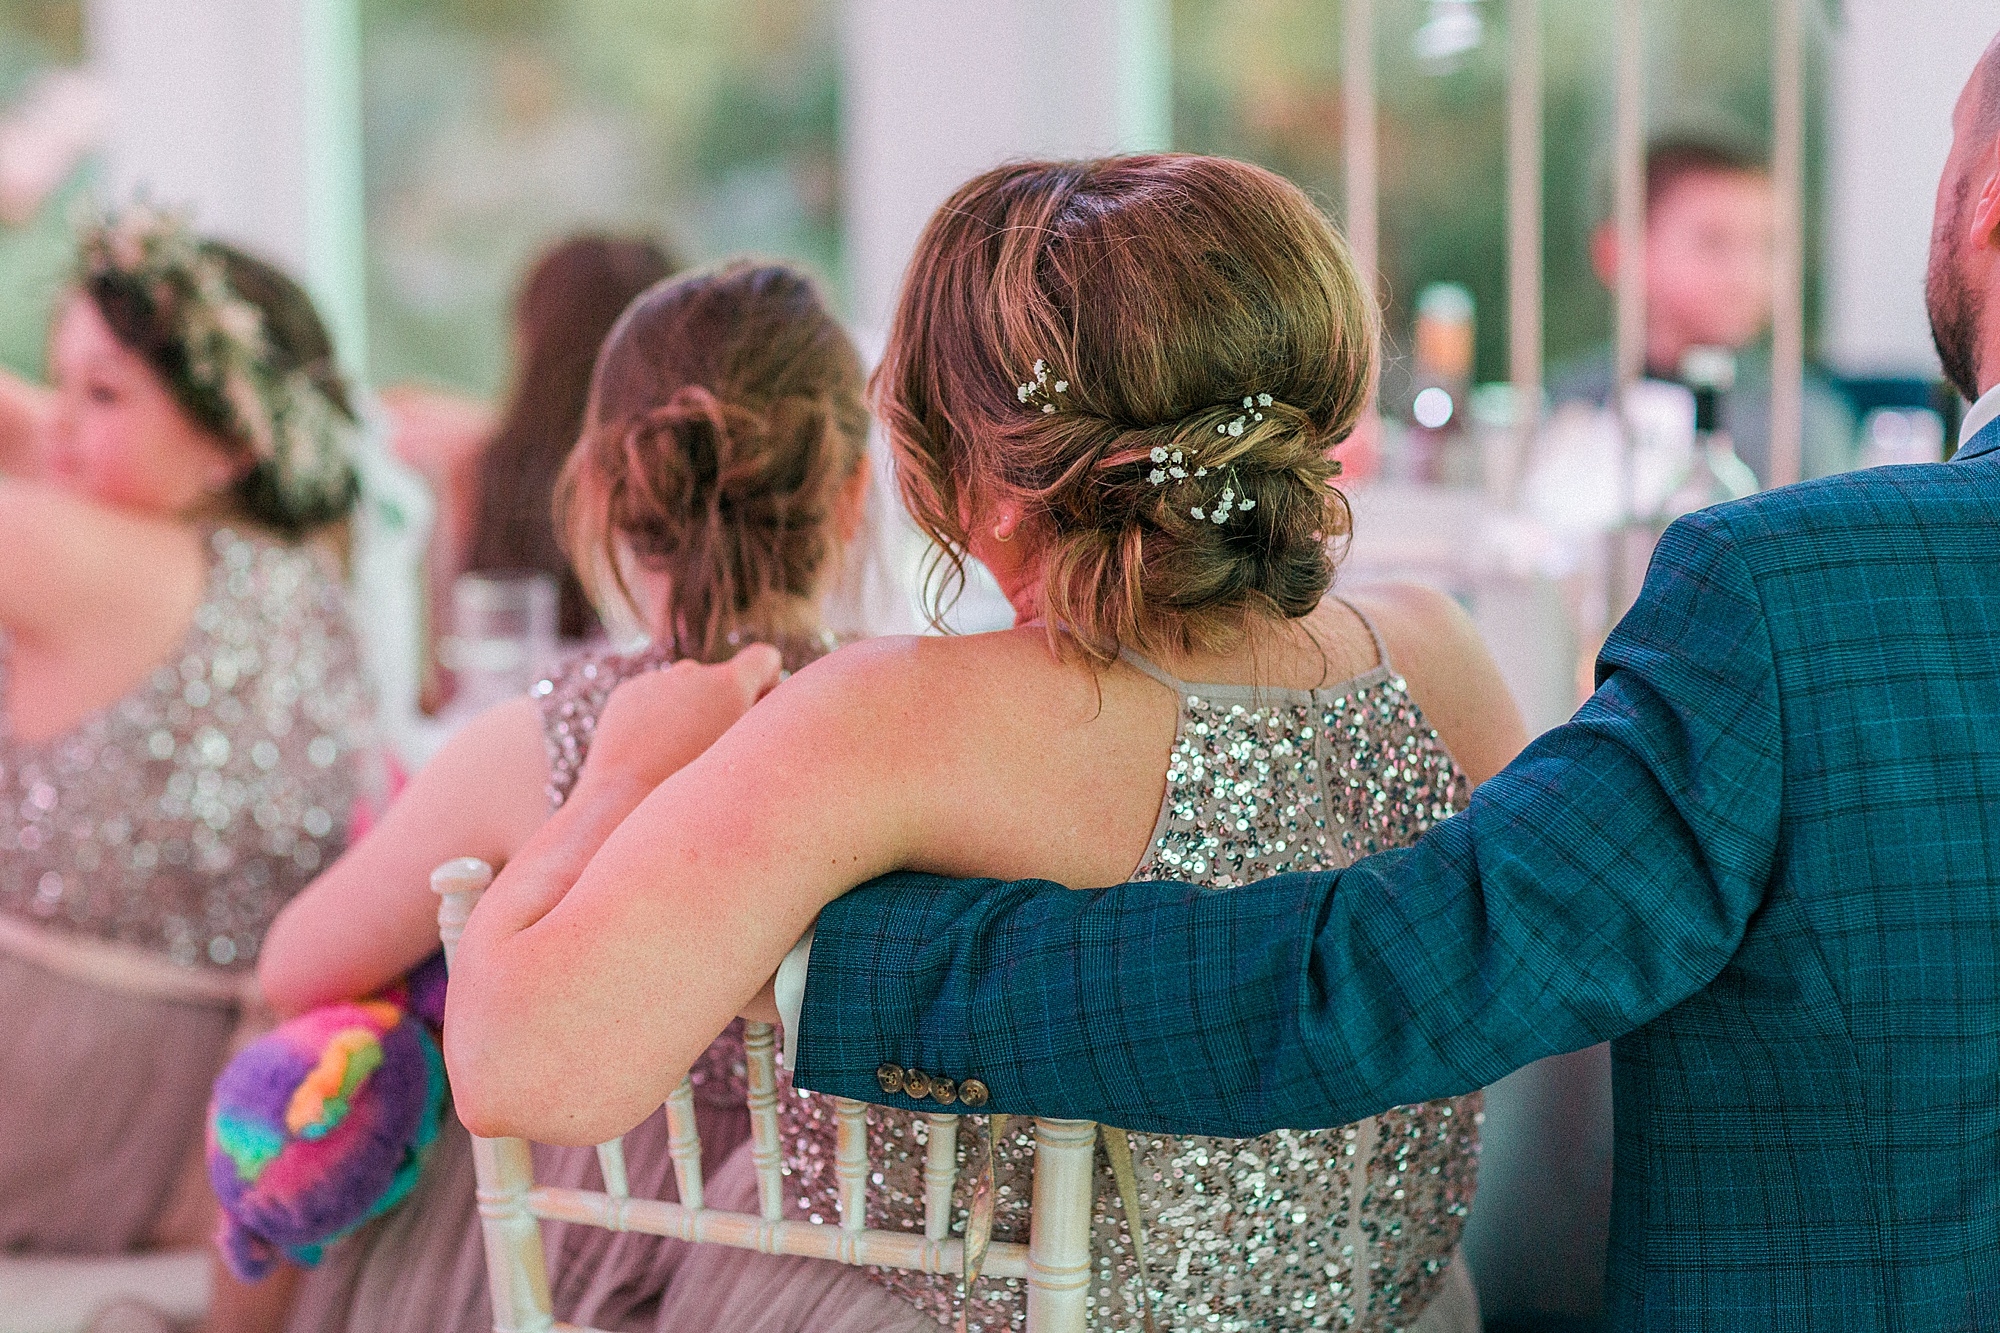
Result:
1242,423
1171,465
1219,512
1232,500
1040,389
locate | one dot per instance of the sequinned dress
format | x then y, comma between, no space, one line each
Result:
421,1268
1354,1228
143,854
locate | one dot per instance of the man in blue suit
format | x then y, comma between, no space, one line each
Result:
1764,860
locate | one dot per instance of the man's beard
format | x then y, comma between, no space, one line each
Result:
1955,310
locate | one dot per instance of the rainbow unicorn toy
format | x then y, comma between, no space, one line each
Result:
324,1122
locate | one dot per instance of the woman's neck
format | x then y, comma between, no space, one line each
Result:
788,622
1024,594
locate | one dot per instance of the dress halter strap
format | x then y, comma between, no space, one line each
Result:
1146,666
1381,645
1149,668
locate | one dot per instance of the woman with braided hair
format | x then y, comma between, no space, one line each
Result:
183,719
719,479
1117,385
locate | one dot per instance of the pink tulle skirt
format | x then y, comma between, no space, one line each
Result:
102,1100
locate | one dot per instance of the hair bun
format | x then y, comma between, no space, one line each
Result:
756,461
725,417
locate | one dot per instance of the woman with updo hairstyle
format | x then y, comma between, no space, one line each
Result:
184,726
718,482
1117,384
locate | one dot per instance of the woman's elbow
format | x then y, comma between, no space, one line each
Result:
512,1079
489,1109
491,1091
495,1101
285,987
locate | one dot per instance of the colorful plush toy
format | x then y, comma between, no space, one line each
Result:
324,1122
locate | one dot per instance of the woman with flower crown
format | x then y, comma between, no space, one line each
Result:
183,718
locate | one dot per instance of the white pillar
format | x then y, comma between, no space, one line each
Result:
1788,317
939,90
1524,220
249,112
1362,145
1897,71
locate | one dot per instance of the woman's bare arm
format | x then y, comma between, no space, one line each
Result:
606,976
372,916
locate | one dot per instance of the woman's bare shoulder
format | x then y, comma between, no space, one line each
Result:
914,704
1439,653
1417,622
940,666
72,558
72,527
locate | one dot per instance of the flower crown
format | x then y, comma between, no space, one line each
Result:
1170,466
286,420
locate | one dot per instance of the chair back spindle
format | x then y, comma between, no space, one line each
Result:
760,1051
1055,1263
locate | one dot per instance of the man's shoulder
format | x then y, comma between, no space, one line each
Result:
1918,500
1912,536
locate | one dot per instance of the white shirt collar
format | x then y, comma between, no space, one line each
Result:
1983,414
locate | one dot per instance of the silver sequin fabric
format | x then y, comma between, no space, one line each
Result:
182,817
1352,1228
572,698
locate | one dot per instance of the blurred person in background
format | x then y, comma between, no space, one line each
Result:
720,480
568,305
25,410
495,481
184,723
1710,229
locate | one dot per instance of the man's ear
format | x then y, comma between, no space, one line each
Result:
1986,209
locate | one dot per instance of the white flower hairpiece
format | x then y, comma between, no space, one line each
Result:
1170,465
285,418
1041,389
1250,405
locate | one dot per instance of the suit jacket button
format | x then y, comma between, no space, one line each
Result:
917,1084
890,1077
973,1093
944,1090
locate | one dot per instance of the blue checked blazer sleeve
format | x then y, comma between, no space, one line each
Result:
1605,876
